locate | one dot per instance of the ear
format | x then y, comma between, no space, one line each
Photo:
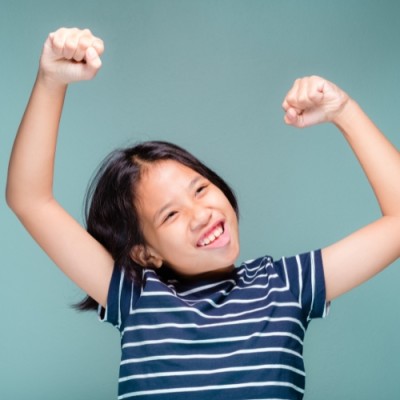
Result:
145,257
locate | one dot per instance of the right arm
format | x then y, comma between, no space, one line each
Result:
68,55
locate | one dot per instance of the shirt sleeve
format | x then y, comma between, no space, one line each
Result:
305,275
122,295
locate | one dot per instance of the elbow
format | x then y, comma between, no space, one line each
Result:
11,193
12,201
20,202
25,204
394,235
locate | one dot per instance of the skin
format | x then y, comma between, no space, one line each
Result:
178,209
71,55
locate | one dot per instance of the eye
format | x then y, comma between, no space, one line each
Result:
201,188
170,215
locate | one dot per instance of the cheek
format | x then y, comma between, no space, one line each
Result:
168,242
150,235
172,239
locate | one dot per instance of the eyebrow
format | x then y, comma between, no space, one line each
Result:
192,183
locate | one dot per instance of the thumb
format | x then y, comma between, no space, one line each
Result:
294,117
92,58
92,64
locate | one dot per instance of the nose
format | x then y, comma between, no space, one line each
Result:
200,217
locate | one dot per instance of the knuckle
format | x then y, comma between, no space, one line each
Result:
84,42
291,98
57,43
303,99
58,36
314,95
70,43
98,43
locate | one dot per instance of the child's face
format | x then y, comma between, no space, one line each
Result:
188,223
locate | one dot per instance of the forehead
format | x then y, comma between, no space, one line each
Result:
166,174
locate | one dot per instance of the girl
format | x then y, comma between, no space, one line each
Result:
162,241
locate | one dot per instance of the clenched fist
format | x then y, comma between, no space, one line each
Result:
71,55
313,100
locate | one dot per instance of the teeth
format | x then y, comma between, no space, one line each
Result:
212,236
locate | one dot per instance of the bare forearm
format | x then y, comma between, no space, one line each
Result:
69,55
379,159
361,255
30,175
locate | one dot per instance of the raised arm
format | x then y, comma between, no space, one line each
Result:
69,55
367,251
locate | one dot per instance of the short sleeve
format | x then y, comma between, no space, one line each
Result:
122,295
305,276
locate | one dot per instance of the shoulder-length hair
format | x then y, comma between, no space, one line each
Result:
110,203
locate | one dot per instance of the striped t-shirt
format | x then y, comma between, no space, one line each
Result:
239,338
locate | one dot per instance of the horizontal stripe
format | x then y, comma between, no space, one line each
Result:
213,371
216,305
213,325
203,288
210,356
168,310
211,387
215,340
222,291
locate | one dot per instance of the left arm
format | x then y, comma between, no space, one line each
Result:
367,251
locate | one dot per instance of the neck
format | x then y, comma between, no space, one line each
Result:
167,273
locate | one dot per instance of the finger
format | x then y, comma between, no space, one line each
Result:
77,43
71,44
316,91
87,40
93,62
87,70
291,97
303,99
294,117
98,45
57,41
48,44
83,44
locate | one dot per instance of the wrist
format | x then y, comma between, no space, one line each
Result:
46,81
346,115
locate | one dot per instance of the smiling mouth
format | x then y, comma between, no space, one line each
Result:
212,236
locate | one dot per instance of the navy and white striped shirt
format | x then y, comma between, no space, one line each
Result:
240,338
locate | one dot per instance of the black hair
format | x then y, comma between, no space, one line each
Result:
110,203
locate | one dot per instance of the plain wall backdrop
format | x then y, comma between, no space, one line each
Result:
209,75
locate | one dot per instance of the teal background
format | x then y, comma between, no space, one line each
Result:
209,75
